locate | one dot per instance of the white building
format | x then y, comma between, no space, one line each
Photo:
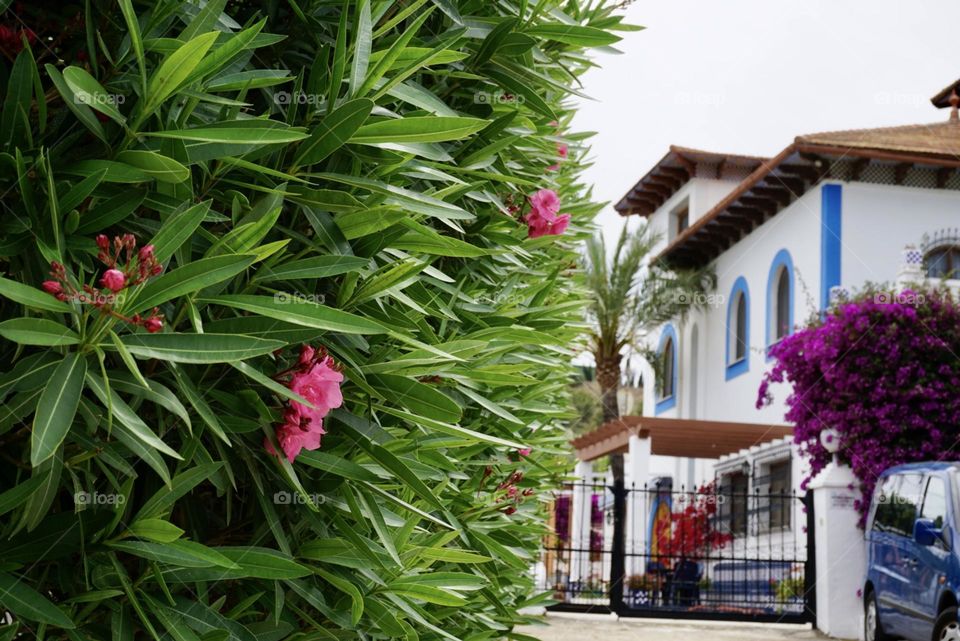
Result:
832,210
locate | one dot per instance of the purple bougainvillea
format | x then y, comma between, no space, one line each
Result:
884,371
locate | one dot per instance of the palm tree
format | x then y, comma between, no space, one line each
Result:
627,296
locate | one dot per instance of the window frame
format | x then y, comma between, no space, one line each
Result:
782,265
668,336
952,253
737,366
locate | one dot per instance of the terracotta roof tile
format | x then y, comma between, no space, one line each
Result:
936,139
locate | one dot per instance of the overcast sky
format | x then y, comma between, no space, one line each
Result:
747,76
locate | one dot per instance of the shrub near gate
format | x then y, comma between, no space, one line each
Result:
287,306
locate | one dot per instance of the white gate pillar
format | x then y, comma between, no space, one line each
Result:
841,549
580,515
637,504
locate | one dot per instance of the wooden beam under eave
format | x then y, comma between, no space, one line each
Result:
661,190
857,167
900,172
796,186
667,181
688,164
943,175
779,194
810,174
765,205
679,173
751,212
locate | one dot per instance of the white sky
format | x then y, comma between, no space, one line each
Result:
747,76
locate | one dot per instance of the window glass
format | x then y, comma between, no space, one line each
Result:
666,389
897,504
782,327
740,329
733,510
943,262
780,494
935,502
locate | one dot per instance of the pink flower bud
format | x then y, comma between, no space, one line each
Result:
52,287
113,279
103,242
146,252
153,325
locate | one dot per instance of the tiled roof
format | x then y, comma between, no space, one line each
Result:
673,171
936,139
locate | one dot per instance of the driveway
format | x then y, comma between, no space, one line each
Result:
603,628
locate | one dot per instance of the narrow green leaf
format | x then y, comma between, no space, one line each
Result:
24,601
198,348
57,407
189,279
333,131
299,312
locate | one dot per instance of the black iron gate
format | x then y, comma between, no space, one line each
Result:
708,553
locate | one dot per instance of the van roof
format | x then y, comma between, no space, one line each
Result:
924,466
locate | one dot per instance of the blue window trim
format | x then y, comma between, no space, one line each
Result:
831,220
734,370
782,259
669,402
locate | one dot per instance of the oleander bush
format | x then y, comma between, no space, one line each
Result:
288,301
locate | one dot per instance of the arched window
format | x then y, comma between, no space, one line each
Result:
666,362
943,262
780,297
738,329
666,388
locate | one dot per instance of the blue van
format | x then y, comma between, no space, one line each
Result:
913,554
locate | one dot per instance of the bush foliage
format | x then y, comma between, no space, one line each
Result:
351,176
881,369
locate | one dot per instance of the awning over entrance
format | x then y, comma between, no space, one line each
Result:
676,437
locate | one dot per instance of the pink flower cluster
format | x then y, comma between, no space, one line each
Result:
136,268
316,378
542,220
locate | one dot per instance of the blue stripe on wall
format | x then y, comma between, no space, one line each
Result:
831,217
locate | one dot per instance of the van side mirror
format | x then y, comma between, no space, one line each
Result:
924,533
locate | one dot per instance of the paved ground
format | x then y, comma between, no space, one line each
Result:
602,628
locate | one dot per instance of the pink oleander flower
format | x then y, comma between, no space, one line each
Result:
545,203
320,385
562,150
546,225
524,452
316,378
113,279
297,433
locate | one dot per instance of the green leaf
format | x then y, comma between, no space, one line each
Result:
57,407
38,331
20,492
267,135
30,296
418,129
83,113
189,279
127,416
157,166
24,601
311,268
177,229
356,599
198,348
573,34
175,70
335,465
299,312
181,485
361,46
416,396
333,131
156,530
87,91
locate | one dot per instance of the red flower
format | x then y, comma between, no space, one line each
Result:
114,280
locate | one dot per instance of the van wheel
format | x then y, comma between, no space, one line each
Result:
947,628
872,628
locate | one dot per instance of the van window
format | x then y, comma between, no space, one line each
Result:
897,504
935,502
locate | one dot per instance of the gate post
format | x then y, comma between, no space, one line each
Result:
840,552
618,551
810,567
